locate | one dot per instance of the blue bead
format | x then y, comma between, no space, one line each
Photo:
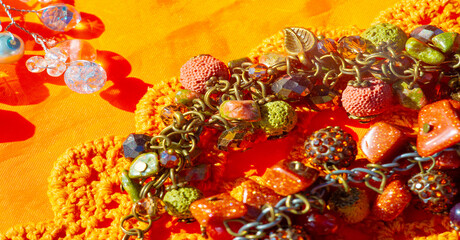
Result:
134,145
11,48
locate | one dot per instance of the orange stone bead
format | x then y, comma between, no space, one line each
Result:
254,194
217,208
448,160
439,126
381,142
392,201
285,180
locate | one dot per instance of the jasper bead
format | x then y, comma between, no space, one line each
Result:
245,110
185,97
423,52
439,126
392,201
411,98
285,180
217,208
145,165
253,194
381,142
130,186
447,42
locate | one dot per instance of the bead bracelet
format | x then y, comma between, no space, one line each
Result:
245,103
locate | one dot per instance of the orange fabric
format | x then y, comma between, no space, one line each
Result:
141,43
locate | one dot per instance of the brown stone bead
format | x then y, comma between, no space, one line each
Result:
381,142
254,194
217,208
285,180
392,201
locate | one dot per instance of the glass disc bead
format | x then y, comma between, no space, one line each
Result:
36,64
59,17
150,207
85,76
55,55
349,47
11,47
78,49
57,70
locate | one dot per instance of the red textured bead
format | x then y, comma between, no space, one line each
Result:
196,71
367,101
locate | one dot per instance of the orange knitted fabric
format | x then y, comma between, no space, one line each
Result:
84,185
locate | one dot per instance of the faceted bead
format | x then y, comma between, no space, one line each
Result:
425,33
238,138
259,72
167,113
152,207
36,64
85,77
439,126
217,208
411,98
392,201
326,46
238,62
349,47
57,70
135,145
423,52
169,158
381,142
272,59
200,172
454,215
244,110
285,180
447,160
59,17
292,87
144,165
11,47
319,223
130,186
54,56
178,201
253,194
78,49
185,97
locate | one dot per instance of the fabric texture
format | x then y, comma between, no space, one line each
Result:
83,199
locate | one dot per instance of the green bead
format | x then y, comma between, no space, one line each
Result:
411,98
131,187
424,52
178,201
386,32
446,42
185,97
144,165
278,117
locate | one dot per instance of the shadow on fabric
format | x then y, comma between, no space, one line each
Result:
14,127
125,92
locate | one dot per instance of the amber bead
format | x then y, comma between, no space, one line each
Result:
285,180
392,201
169,158
291,87
439,126
258,72
238,138
217,208
167,113
381,142
253,194
152,207
326,46
349,47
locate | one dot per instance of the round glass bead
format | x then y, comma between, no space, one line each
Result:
36,64
11,47
59,17
55,55
78,49
169,159
326,46
85,76
150,207
57,70
258,72
351,46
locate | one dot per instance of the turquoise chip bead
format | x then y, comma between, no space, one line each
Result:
145,165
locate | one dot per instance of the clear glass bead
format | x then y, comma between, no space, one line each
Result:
59,17
55,55
78,49
85,76
56,70
36,64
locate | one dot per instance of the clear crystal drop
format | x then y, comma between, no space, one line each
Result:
55,55
59,17
57,70
36,64
78,49
85,77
